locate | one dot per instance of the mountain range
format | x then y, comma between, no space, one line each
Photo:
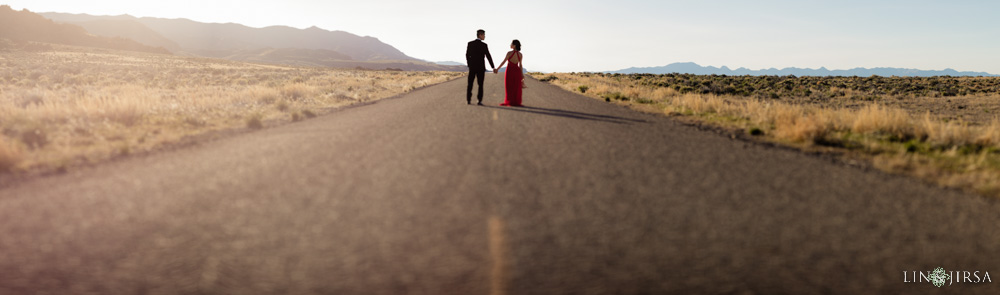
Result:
27,26
449,63
693,68
276,44
191,36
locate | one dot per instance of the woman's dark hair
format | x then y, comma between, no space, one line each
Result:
517,45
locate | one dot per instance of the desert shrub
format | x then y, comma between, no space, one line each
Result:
33,98
791,86
990,135
264,95
878,119
614,96
296,91
803,128
255,121
663,93
701,104
944,134
549,78
10,155
583,88
34,138
194,121
282,106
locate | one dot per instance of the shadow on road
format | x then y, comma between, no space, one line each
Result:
569,114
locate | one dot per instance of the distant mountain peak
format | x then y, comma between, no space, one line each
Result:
25,25
312,46
198,37
693,68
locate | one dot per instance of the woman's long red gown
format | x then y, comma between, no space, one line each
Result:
512,85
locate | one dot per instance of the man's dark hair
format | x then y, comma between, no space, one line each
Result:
480,32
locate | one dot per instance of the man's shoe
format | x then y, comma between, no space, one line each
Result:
479,103
468,101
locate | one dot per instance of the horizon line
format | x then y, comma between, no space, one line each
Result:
821,68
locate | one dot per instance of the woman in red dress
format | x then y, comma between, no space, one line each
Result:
513,78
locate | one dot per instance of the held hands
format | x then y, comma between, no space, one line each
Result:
495,70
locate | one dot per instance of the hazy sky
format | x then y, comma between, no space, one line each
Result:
585,35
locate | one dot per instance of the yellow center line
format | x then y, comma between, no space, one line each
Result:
495,115
497,253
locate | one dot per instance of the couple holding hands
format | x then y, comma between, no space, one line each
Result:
513,78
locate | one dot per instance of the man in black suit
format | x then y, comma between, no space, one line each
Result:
477,69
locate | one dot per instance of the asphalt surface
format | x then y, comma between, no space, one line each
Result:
424,194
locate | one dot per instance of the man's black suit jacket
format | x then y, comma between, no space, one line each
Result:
474,55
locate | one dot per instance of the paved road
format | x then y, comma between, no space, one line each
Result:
424,194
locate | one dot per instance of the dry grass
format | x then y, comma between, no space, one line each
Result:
74,105
796,125
695,103
988,136
10,155
896,133
875,118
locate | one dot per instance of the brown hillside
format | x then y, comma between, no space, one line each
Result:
129,29
287,56
193,36
311,47
28,26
